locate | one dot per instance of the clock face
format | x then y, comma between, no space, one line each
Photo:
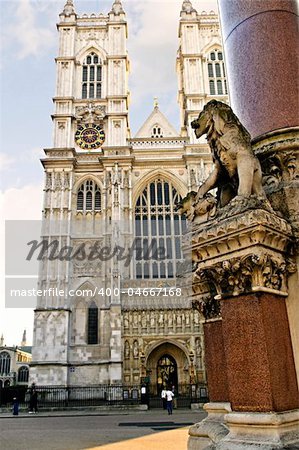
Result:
89,136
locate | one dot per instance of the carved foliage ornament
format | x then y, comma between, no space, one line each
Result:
209,307
240,275
280,167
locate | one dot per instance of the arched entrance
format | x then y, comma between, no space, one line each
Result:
167,364
167,374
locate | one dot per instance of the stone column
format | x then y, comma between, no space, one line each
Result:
212,428
261,51
258,349
243,256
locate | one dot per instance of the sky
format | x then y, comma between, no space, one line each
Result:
28,46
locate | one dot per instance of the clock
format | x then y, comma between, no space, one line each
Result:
89,136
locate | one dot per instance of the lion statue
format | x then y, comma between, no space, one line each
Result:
237,172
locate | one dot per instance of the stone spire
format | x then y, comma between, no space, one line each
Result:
68,9
156,103
117,8
2,340
187,7
24,339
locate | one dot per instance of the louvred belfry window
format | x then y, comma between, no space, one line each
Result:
92,77
216,73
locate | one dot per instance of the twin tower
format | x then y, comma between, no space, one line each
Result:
110,321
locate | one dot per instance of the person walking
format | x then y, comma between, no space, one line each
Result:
169,398
163,396
15,406
33,400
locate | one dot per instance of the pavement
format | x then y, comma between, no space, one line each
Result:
91,430
168,440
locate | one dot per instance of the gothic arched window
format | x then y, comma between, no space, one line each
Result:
92,324
158,231
4,363
89,197
23,374
92,77
216,73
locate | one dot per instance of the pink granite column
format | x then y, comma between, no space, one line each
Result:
258,352
261,48
215,361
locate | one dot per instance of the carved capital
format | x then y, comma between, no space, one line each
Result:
241,275
240,254
209,307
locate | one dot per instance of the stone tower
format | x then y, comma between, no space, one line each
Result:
201,77
91,113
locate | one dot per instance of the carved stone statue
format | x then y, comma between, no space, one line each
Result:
237,172
205,207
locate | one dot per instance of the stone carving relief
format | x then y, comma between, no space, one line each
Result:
66,180
57,181
49,179
280,167
91,113
240,275
135,349
127,350
156,321
81,263
208,306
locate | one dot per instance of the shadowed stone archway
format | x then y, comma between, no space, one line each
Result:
167,364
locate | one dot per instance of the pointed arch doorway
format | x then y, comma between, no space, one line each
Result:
167,364
167,373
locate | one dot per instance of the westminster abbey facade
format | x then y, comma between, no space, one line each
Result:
121,321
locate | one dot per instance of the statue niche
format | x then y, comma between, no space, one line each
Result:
237,172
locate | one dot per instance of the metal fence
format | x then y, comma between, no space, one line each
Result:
101,395
74,396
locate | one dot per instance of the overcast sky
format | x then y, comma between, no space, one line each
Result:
29,42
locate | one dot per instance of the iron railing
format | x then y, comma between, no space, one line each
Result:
101,395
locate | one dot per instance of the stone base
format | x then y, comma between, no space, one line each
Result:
205,434
261,431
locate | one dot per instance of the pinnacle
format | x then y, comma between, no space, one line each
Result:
69,8
117,7
187,6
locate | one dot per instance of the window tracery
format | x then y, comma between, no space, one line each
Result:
216,73
158,230
92,77
23,374
89,197
4,363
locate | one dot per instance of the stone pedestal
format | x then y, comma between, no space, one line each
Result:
243,259
261,431
210,430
